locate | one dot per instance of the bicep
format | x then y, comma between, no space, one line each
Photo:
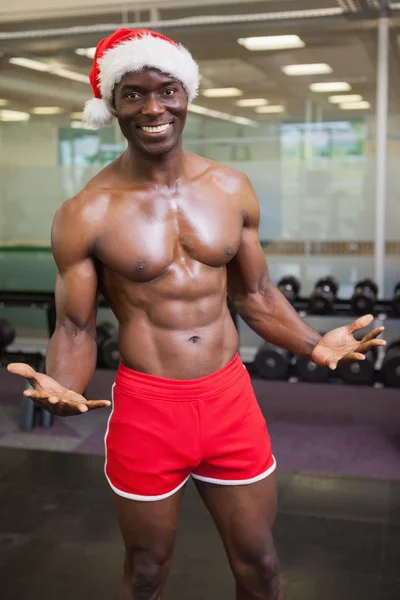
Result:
76,296
76,285
248,271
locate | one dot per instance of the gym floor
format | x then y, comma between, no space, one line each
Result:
337,537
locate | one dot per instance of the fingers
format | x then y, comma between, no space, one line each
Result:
373,343
360,323
354,356
93,404
36,394
62,404
64,407
373,334
350,356
22,369
54,403
365,347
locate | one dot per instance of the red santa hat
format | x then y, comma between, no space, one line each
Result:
130,51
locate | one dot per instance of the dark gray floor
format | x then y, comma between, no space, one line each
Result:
337,537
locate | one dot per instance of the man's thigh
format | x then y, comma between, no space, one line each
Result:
244,515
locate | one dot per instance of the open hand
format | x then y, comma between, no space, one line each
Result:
53,397
340,344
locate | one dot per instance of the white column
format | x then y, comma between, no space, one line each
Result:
308,132
381,150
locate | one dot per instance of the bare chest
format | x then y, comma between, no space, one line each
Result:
143,237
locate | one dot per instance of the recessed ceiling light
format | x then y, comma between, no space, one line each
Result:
273,108
355,105
14,115
330,86
88,52
271,42
29,64
47,110
216,114
3,102
309,69
222,92
251,102
61,72
345,98
49,68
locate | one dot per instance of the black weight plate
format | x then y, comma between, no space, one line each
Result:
358,372
110,354
307,370
272,364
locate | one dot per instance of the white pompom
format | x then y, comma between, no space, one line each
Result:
97,113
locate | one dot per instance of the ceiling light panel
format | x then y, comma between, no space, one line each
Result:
309,69
345,98
271,42
364,105
330,86
251,102
271,109
222,92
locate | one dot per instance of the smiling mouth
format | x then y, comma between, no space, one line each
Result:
158,129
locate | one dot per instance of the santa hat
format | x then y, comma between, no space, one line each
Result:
130,51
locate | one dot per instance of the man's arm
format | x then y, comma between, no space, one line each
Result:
260,304
72,350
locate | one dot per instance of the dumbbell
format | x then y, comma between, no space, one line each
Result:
307,370
323,296
107,346
290,287
272,362
7,334
359,372
364,297
396,300
391,364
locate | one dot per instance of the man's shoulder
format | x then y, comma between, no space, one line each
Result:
97,190
219,172
106,179
77,207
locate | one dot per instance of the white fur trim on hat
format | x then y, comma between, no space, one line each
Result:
97,113
148,51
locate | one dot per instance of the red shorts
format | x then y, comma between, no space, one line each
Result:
161,431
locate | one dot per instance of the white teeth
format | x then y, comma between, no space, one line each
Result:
159,129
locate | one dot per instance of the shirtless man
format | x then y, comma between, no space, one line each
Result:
165,236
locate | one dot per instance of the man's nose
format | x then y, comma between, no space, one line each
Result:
153,106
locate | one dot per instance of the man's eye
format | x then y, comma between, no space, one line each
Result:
132,95
169,92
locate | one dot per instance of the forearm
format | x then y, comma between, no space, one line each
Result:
273,318
71,358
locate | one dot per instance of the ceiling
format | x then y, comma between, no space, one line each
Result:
347,42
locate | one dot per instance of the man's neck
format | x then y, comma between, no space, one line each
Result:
159,171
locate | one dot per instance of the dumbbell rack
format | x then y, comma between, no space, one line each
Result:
382,310
330,377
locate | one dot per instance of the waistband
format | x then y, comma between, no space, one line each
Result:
162,388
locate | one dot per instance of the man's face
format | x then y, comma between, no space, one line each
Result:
151,109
